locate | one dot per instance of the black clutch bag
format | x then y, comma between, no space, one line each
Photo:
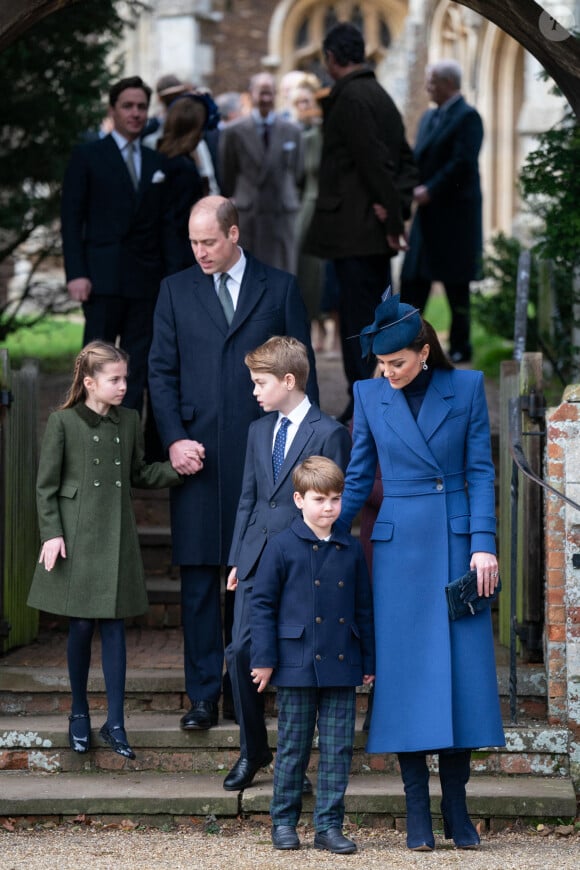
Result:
462,597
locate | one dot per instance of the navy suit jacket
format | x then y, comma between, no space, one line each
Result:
446,235
201,389
119,238
265,507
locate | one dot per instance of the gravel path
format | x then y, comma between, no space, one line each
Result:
246,846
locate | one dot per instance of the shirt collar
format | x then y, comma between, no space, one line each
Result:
121,141
297,415
236,272
260,121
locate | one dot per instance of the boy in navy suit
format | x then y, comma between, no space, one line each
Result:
276,443
312,637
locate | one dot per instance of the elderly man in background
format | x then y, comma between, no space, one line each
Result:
446,235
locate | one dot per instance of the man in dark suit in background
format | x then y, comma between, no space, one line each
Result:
207,318
116,231
366,179
446,235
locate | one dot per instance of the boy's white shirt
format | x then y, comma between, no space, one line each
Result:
296,417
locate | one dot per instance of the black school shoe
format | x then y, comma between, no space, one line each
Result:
116,737
79,733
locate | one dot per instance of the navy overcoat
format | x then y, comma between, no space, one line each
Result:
201,389
446,234
311,610
436,683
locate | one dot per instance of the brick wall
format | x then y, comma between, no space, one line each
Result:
239,42
562,543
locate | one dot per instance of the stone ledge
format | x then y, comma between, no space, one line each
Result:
142,793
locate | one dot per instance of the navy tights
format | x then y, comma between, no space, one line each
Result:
114,662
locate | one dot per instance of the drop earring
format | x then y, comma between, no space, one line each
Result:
424,365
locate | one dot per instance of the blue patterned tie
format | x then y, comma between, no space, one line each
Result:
279,447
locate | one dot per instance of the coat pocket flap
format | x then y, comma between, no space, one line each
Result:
382,531
68,490
459,525
187,411
292,632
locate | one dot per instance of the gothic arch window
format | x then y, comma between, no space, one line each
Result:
299,26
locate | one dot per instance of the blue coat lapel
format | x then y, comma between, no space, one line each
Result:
437,403
434,411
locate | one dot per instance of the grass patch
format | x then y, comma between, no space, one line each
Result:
53,341
488,350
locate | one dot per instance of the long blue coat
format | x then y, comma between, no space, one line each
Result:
436,683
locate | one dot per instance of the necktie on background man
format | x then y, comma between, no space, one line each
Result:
130,161
266,134
279,447
225,298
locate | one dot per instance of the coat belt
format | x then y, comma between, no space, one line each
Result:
424,485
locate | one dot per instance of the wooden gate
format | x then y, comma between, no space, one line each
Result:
18,523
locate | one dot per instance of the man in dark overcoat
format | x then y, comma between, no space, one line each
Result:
116,231
366,181
446,235
202,398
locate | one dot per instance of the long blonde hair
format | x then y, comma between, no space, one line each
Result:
90,361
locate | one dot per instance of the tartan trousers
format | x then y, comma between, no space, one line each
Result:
300,710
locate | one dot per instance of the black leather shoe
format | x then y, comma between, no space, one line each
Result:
285,837
117,739
306,785
79,734
333,841
244,771
201,716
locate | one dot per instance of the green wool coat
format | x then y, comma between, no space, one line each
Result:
88,464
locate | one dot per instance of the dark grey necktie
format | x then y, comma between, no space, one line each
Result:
130,161
225,298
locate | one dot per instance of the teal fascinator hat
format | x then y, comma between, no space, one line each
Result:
395,326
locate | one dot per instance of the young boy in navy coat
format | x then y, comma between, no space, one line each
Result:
279,369
312,637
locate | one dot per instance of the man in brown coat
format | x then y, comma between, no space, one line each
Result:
366,181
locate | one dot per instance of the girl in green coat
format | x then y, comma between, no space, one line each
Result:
90,564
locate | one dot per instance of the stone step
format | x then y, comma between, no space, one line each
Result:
41,743
495,801
23,688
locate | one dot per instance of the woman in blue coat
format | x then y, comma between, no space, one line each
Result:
427,426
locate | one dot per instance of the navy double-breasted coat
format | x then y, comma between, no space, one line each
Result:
201,389
312,610
436,683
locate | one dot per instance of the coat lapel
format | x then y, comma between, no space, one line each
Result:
204,292
398,416
301,439
252,289
437,403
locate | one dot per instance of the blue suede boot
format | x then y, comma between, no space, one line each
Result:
454,775
415,775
